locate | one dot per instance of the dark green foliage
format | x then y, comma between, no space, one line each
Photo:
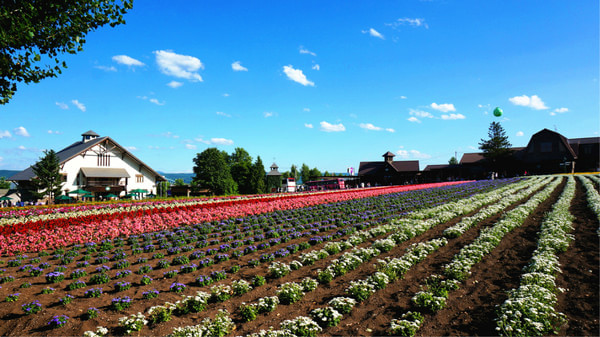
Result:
48,180
212,172
35,29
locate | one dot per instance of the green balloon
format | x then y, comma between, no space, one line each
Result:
497,112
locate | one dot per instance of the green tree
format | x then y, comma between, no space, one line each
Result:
212,172
497,146
453,161
258,177
48,180
294,172
314,173
496,149
179,182
3,183
34,33
305,173
240,163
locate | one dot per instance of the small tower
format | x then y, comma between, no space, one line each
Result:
274,170
388,157
90,135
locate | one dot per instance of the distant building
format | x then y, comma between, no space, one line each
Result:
388,171
274,179
547,152
98,165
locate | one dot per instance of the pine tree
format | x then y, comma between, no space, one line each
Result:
497,146
48,180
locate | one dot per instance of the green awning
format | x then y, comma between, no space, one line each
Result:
79,191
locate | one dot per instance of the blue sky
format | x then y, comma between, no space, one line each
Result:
326,83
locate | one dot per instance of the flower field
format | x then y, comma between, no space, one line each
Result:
503,257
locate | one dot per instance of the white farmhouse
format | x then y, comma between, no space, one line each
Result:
100,166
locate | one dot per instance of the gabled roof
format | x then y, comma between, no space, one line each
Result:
373,167
77,148
90,133
469,158
561,138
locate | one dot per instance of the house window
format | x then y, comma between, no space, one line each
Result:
546,147
63,177
139,178
103,160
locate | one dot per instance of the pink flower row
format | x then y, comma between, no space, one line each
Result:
45,239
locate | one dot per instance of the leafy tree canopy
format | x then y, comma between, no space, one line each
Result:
35,32
212,172
453,161
3,183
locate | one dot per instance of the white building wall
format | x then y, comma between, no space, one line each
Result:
90,159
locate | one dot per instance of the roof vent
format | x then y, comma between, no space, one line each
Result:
90,135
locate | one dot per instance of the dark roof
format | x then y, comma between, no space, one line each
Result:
90,133
373,167
75,149
474,157
436,167
588,140
562,139
388,154
469,158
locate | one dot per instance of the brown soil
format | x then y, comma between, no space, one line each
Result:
470,310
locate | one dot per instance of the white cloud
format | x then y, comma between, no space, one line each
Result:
21,131
54,132
519,134
412,154
308,125
420,113
416,22
221,113
131,148
181,66
268,114
369,126
533,102
62,105
296,75
21,147
225,95
155,101
236,66
128,61
561,110
414,119
306,109
327,127
306,51
221,141
174,84
373,33
105,68
79,105
5,134
453,116
316,67
402,97
190,146
445,107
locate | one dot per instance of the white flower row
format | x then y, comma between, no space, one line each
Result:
593,197
505,199
434,298
529,309
460,267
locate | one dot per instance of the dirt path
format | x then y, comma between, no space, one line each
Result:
580,272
